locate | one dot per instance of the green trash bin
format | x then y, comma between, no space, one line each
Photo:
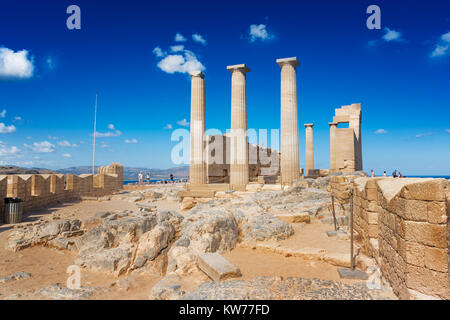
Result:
13,210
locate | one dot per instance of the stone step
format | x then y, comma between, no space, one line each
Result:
217,267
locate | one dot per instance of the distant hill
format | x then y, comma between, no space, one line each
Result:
18,170
129,173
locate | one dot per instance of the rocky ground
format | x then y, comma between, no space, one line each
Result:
145,243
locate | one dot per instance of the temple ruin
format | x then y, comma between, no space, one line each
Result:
345,143
233,164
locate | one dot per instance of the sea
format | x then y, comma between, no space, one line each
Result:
436,177
177,180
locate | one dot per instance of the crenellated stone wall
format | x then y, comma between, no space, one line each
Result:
39,190
404,224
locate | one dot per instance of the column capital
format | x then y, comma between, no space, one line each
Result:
309,125
332,124
292,61
241,67
197,73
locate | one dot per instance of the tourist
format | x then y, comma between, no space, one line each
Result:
140,178
394,174
171,177
400,175
372,174
148,177
384,174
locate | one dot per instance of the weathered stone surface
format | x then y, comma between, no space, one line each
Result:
40,234
217,267
168,288
275,288
58,292
187,203
16,276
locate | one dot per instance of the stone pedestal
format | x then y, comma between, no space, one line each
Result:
290,165
197,169
333,126
309,166
239,146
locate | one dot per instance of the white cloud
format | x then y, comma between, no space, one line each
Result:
52,137
17,118
198,38
446,37
442,47
41,147
50,63
113,133
183,123
380,131
391,35
177,48
7,129
67,155
259,32
168,127
3,113
421,135
131,141
15,64
4,151
159,52
179,63
439,51
180,38
447,130
66,143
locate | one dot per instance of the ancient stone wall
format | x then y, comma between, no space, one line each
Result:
39,190
404,225
262,161
3,190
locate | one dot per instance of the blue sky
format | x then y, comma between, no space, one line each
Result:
49,76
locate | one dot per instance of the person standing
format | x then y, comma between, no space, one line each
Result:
171,177
384,174
140,177
148,177
372,174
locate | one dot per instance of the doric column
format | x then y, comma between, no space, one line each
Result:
239,147
309,146
290,165
333,126
197,169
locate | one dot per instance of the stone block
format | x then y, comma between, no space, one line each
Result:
432,190
414,253
372,194
427,281
217,267
372,217
429,234
437,212
412,209
436,259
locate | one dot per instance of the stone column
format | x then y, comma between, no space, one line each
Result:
239,146
333,126
309,166
290,165
197,169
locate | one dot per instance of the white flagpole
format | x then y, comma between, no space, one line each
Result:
95,133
